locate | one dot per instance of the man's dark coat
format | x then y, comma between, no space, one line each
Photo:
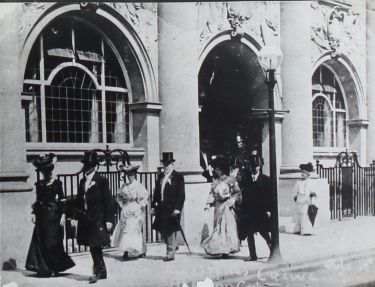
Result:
92,229
174,198
256,202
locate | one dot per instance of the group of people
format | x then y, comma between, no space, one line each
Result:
242,203
243,206
94,215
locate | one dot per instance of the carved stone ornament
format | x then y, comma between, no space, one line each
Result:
259,19
238,16
30,13
143,18
334,29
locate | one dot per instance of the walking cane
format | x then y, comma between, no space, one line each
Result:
183,236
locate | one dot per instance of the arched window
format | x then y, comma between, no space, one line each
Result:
329,112
74,88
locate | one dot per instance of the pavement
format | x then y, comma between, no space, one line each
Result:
349,238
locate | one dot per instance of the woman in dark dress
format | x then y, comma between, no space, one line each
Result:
46,254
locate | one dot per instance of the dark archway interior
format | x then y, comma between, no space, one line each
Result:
231,83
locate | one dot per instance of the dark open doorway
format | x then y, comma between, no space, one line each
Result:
231,82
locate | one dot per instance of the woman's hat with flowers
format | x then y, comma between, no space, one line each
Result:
44,161
129,168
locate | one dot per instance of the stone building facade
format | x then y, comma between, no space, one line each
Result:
181,77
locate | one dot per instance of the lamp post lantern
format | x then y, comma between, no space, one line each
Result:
270,58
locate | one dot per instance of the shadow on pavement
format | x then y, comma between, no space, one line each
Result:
154,257
77,277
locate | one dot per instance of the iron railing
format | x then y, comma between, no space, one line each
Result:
351,186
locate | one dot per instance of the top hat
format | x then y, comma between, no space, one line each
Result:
130,168
167,158
307,167
44,161
90,159
255,160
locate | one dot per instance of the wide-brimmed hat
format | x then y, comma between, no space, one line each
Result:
90,160
130,168
308,167
167,158
45,161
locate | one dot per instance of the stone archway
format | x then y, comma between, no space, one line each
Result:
230,84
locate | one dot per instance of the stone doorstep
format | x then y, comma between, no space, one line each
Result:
304,265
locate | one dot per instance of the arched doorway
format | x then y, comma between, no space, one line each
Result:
231,83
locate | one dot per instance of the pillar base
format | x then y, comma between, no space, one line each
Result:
14,182
194,176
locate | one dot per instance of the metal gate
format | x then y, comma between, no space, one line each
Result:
109,162
351,186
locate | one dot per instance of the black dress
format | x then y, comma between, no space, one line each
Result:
46,253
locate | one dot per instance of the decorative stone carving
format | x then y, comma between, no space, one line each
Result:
30,13
238,16
212,19
335,28
259,19
143,18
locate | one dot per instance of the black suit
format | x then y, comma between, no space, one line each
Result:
256,202
165,202
94,208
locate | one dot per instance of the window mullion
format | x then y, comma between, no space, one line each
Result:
103,92
334,120
73,42
42,91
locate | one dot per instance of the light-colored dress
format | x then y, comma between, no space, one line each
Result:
128,236
224,238
302,191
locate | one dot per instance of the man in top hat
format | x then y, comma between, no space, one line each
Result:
256,207
167,204
94,210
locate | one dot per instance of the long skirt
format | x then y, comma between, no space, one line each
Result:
304,222
46,253
128,236
224,238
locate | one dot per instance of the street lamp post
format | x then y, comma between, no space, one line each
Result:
270,58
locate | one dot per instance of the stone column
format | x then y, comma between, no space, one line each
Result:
13,173
297,137
296,73
178,85
146,132
370,88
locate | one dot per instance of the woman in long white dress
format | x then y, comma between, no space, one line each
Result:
224,195
132,198
303,196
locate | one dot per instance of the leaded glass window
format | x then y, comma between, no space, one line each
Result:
74,88
328,109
